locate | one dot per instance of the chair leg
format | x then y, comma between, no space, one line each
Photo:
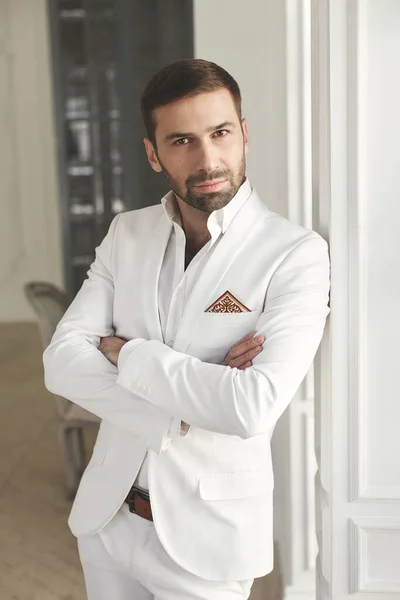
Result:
68,455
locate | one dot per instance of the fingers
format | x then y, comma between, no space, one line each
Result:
244,351
244,346
245,366
246,337
244,358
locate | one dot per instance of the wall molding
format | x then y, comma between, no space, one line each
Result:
357,194
360,488
321,209
363,532
298,110
379,494
310,549
299,562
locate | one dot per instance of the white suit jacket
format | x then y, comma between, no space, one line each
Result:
211,491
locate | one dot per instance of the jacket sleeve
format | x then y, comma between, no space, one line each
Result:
243,403
76,369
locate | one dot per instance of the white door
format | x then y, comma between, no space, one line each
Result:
356,201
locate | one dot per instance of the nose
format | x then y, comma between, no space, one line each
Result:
207,156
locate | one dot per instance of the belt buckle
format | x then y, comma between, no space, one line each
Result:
131,500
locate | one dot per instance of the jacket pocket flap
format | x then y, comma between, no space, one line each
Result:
236,485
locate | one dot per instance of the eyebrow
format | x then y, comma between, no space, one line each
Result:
176,134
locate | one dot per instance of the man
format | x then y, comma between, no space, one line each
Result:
199,319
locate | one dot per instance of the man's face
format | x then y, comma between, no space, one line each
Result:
201,147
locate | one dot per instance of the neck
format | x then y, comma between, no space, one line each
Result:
194,224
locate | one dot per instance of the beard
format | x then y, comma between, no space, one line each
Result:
208,201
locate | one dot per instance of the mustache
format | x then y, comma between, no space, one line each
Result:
208,177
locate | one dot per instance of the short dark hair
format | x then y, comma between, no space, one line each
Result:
183,79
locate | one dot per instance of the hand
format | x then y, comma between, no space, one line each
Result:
242,353
110,347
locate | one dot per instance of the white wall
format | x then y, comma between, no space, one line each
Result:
248,40
29,223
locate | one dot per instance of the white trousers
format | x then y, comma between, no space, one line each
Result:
126,561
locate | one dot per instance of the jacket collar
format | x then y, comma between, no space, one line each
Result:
219,220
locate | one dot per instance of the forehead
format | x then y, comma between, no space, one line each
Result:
196,113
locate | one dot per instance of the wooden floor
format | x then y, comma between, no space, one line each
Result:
38,557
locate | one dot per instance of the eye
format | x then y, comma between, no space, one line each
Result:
181,142
221,133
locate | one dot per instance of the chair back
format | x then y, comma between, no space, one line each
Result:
49,304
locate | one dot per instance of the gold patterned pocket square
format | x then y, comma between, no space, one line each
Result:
227,303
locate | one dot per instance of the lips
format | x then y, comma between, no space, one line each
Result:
210,186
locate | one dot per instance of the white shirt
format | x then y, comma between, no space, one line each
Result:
175,283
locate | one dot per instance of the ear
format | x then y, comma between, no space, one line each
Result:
152,156
245,135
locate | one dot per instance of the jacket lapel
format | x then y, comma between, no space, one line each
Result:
153,255
246,223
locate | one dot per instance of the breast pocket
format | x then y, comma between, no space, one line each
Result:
216,333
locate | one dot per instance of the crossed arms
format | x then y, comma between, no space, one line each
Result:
154,387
